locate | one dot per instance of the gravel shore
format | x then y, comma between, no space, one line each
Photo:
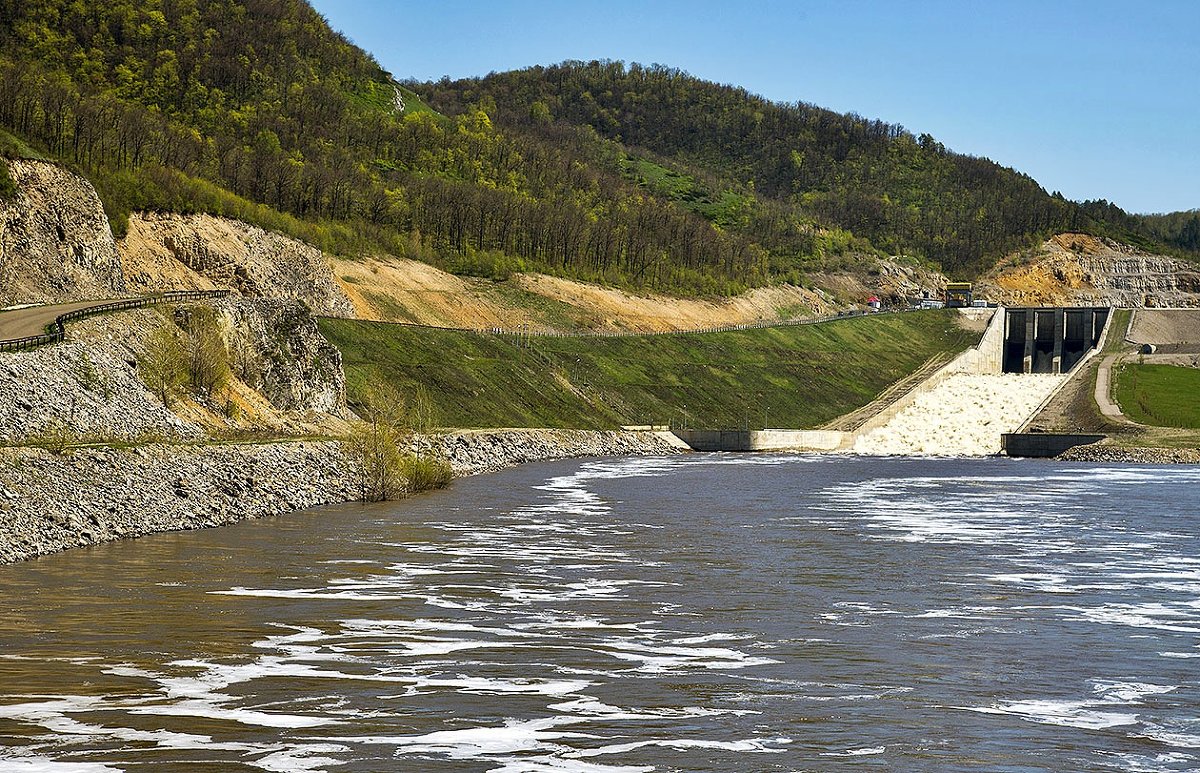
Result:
51,502
1127,455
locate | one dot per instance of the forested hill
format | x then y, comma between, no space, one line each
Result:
904,193
642,177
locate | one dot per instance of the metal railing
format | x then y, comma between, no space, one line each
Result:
57,329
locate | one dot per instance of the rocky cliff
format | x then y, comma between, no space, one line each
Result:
186,252
55,242
279,351
287,379
1082,270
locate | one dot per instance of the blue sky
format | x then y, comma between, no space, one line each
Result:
1094,99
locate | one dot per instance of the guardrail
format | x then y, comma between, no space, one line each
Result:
57,329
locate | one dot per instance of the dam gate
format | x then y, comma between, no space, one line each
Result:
1050,340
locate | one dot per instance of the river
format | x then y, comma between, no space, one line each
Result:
694,613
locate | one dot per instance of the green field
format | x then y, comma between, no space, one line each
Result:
780,377
1159,395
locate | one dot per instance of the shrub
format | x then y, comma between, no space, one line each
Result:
423,473
207,356
163,364
388,424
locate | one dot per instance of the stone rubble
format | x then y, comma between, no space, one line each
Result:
1125,455
51,502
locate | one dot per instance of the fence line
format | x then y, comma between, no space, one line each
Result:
58,329
521,332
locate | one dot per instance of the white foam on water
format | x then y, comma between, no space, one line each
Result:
476,742
1145,763
749,746
1096,713
1150,615
661,659
593,708
45,765
1063,713
207,710
868,752
552,765
301,758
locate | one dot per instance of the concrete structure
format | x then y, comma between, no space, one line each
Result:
765,440
1060,339
1043,445
1051,340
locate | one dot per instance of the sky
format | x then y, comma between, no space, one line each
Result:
1095,99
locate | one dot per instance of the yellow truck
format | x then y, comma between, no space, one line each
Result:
958,295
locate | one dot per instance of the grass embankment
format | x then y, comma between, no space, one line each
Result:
779,377
1159,395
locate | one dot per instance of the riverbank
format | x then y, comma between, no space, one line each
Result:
52,502
1130,455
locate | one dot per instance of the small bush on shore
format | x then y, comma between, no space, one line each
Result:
388,424
423,473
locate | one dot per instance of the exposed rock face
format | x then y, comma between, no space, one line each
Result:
289,379
185,252
893,281
55,242
1081,270
279,351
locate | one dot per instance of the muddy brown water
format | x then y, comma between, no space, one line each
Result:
702,613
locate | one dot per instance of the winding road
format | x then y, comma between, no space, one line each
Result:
22,323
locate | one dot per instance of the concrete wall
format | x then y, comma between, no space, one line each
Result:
1077,369
988,355
764,440
1043,445
1051,339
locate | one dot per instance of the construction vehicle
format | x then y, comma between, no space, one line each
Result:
959,295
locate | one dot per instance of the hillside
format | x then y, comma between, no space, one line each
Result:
768,169
1075,269
798,376
639,177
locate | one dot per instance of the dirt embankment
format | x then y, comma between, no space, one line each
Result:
396,290
1081,270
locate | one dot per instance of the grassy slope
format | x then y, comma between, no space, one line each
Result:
782,377
1159,395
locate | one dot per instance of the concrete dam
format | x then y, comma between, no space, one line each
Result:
964,408
1050,340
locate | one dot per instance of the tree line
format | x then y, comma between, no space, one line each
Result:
905,193
641,176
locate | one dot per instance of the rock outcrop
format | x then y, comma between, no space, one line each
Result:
201,252
288,379
279,351
55,242
1082,270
